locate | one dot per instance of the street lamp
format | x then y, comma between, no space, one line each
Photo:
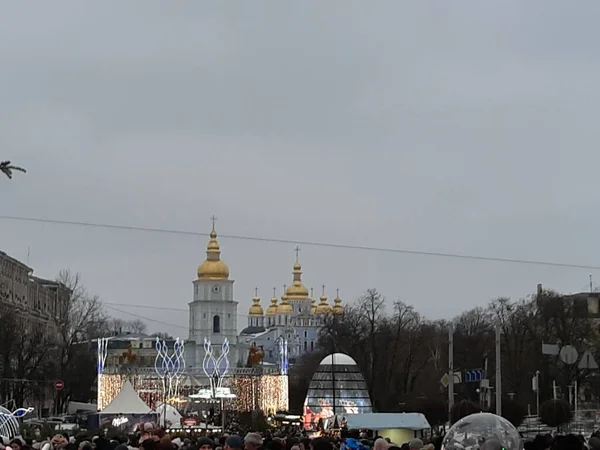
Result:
215,370
169,368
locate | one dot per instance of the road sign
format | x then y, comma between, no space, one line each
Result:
550,349
59,385
457,377
587,361
445,380
568,354
473,376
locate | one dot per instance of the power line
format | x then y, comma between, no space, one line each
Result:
163,308
301,242
145,306
148,318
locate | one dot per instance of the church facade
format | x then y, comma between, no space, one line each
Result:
295,320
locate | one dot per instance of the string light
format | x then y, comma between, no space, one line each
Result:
267,393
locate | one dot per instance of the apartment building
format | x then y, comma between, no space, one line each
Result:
37,301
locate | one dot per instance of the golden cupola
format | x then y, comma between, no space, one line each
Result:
323,307
213,268
255,310
284,307
297,290
272,309
337,307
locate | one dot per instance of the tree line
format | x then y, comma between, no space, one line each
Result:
403,355
35,354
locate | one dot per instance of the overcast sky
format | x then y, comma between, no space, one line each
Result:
465,127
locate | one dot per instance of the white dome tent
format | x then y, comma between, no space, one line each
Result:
336,387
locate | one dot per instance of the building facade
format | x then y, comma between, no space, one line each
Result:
213,311
36,302
35,307
297,319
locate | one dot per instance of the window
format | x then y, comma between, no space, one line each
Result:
305,346
305,335
229,316
216,324
204,316
312,346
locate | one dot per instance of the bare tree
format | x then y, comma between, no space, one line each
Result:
27,363
136,326
7,168
80,320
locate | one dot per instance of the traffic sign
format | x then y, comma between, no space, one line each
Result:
473,376
587,361
59,385
568,354
445,380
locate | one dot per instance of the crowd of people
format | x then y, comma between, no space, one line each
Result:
151,437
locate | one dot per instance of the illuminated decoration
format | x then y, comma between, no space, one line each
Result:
118,421
267,393
149,388
102,353
9,423
169,367
215,369
337,387
262,392
282,346
220,392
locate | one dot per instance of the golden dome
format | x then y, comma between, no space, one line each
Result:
297,289
313,306
337,307
212,268
255,309
323,307
272,309
284,307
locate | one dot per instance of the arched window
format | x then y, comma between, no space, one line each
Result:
216,324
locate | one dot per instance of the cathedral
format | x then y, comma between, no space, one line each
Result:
295,320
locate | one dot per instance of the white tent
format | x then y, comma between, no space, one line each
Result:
127,401
168,413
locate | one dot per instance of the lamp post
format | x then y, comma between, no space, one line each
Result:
215,370
169,367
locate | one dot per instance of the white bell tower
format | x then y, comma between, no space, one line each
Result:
213,312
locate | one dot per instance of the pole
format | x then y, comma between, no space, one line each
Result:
575,400
554,389
333,385
450,370
498,371
537,392
222,415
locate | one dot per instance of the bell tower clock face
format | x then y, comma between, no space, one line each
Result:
216,289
